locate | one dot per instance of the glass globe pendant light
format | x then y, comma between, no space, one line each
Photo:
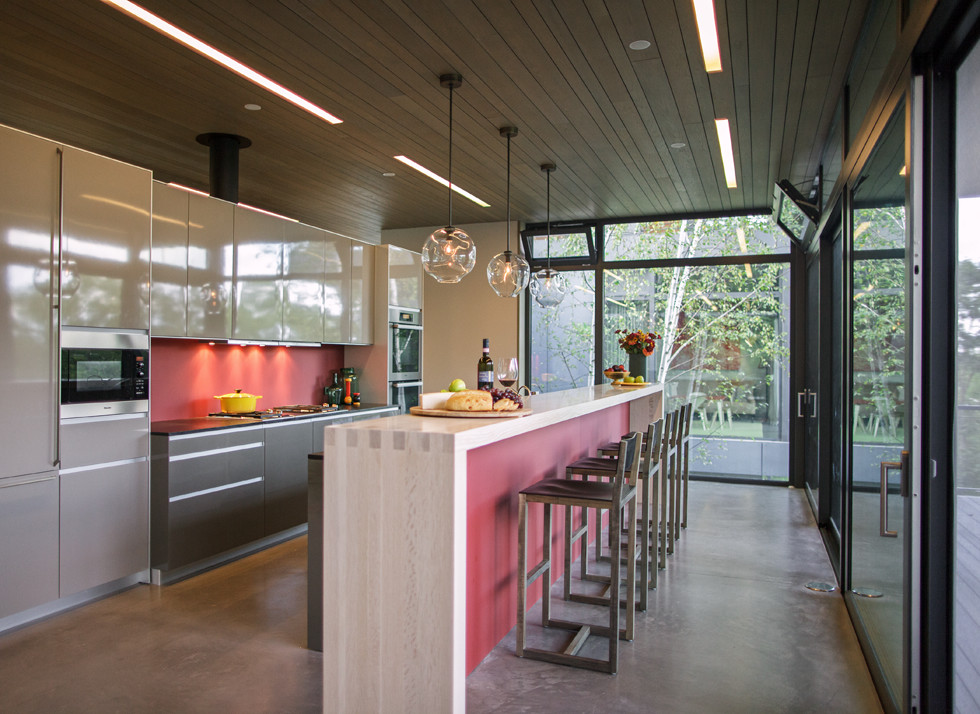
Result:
508,272
547,285
449,254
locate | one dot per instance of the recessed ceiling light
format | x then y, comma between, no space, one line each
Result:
678,145
215,55
253,107
388,174
639,45
704,14
436,177
727,154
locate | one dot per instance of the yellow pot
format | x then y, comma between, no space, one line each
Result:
238,402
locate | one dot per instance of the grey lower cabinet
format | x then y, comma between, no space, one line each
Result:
104,525
28,542
287,448
217,493
103,500
207,494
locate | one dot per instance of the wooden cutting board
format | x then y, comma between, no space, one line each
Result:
419,411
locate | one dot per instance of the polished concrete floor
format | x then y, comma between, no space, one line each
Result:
730,629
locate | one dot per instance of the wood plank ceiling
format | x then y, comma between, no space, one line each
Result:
610,117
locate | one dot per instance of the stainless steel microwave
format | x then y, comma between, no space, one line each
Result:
104,372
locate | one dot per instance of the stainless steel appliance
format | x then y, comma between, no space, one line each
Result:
404,357
405,353
104,372
405,395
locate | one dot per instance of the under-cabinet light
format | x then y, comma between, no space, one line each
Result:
727,154
215,55
439,179
704,15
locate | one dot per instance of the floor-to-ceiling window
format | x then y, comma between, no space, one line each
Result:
966,567
717,291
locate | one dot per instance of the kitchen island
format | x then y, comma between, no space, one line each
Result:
420,539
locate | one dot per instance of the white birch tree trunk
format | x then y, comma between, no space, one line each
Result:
687,241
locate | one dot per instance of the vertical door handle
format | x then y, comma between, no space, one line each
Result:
799,403
813,404
887,466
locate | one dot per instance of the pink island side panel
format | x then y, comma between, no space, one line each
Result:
495,474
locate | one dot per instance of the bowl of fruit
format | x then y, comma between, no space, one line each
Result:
616,372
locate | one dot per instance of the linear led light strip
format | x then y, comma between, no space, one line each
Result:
436,177
727,155
191,42
243,205
704,15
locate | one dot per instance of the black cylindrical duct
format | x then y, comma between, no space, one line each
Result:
224,163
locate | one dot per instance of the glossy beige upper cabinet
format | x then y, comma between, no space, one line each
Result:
362,293
258,276
210,266
29,319
336,288
105,242
302,283
168,269
404,278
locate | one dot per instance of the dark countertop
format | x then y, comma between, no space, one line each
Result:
198,424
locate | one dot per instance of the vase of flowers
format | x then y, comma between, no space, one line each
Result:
638,345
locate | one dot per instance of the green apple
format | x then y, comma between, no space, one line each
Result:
457,385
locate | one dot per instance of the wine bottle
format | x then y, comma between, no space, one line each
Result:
484,368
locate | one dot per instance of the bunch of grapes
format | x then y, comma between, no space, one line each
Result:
510,394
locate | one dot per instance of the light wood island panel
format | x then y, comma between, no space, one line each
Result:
397,510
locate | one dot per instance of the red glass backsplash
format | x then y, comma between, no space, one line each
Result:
185,375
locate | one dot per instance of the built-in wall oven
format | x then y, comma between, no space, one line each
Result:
104,372
405,356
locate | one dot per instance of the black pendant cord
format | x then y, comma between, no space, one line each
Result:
548,201
508,197
450,155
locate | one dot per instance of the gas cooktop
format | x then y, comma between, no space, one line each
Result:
278,412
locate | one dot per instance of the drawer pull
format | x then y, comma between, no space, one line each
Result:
206,491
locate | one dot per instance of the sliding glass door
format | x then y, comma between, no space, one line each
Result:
878,379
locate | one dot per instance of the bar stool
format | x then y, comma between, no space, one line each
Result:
612,496
685,457
669,464
677,473
648,506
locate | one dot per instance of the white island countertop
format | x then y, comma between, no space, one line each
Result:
546,409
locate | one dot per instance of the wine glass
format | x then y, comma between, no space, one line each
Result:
507,372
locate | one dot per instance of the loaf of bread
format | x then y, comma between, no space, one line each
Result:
505,405
470,400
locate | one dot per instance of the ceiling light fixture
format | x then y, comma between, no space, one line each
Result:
704,15
638,45
548,286
449,254
727,154
508,272
253,107
215,55
439,179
